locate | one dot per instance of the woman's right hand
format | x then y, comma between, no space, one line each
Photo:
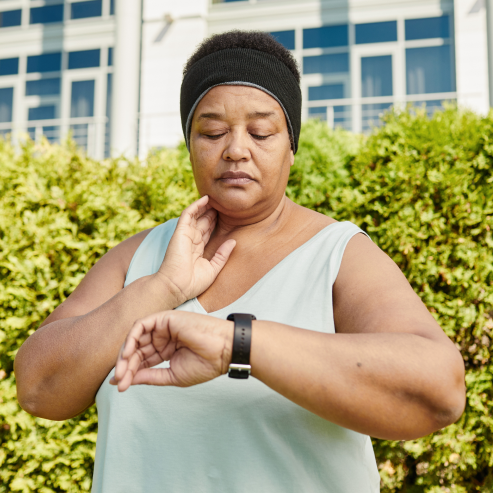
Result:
184,268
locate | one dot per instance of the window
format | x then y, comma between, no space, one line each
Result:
48,62
371,114
342,117
42,113
110,57
327,91
112,7
286,38
429,70
9,66
107,130
46,14
431,27
325,37
82,10
10,18
319,112
83,59
326,64
376,76
376,32
6,103
43,87
431,107
82,101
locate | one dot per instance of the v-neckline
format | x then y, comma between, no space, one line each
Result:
268,274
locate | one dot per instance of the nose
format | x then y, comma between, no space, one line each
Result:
237,146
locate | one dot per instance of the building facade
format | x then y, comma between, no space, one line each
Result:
109,71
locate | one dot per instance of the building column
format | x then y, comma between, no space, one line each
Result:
489,29
471,55
126,78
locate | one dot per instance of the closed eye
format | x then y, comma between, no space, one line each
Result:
214,137
259,137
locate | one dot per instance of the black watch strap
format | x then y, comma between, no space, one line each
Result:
242,341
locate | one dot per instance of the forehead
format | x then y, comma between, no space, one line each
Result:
244,99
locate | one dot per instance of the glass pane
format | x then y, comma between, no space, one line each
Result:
82,10
6,103
319,112
46,14
429,70
342,117
376,32
112,7
49,62
326,64
376,76
9,66
42,113
43,87
10,18
431,107
286,38
83,59
372,113
431,27
82,102
327,91
110,57
52,133
80,133
325,37
107,133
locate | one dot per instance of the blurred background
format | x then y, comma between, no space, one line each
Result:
109,71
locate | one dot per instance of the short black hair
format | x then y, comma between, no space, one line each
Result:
253,40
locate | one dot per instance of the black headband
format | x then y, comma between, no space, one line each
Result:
242,67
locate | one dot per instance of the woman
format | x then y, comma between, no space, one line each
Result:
341,348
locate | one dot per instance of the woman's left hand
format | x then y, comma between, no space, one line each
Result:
198,348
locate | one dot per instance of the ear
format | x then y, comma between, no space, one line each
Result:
291,157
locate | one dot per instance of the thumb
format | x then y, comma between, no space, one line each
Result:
221,256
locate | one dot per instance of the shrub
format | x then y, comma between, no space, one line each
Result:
420,187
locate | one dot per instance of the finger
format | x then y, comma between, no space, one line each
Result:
153,360
194,211
205,221
139,334
154,376
121,365
134,362
222,255
125,382
208,233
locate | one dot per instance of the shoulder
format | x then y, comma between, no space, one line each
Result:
309,218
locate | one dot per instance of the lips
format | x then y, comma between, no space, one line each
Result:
236,178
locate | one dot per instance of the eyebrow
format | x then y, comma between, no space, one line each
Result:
254,115
211,116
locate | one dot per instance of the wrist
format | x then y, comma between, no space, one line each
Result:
228,331
173,295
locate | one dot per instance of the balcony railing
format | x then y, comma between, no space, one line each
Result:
91,134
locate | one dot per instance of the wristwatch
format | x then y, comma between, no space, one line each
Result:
242,340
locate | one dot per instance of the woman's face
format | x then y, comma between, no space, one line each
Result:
240,150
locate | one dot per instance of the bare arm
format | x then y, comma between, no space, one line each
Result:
61,366
389,371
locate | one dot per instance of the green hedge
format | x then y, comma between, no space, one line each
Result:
421,187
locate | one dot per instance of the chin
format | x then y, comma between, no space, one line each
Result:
232,203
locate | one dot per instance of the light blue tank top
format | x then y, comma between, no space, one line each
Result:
235,436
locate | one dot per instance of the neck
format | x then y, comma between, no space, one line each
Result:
267,222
